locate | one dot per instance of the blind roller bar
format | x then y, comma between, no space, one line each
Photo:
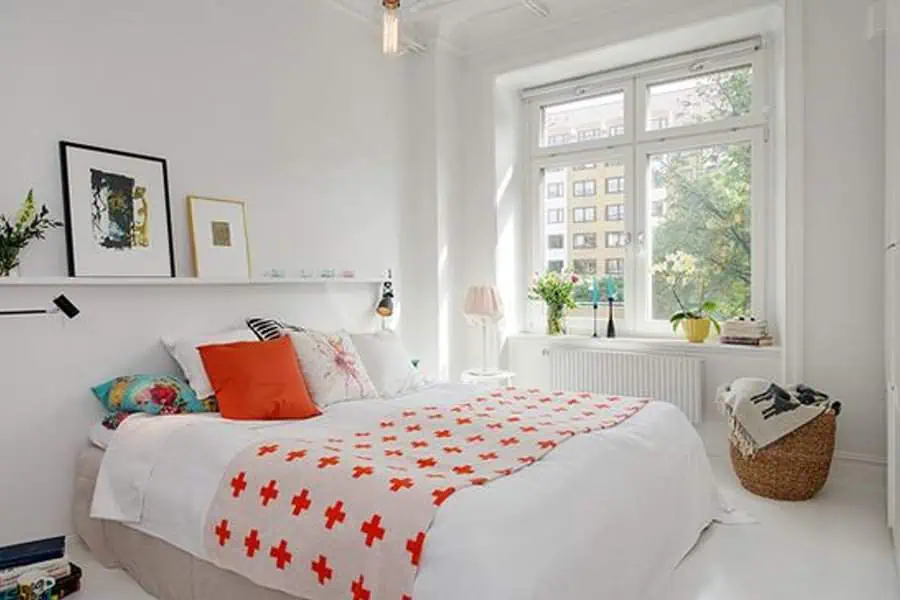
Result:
587,83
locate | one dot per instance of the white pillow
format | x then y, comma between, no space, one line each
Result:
388,363
186,354
332,367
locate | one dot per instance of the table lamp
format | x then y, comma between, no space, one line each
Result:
483,306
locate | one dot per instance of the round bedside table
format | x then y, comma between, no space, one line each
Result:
498,378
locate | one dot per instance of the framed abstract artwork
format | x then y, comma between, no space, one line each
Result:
118,219
219,236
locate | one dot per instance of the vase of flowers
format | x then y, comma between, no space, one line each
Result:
29,224
557,290
678,270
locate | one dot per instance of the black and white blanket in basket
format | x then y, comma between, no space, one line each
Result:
760,412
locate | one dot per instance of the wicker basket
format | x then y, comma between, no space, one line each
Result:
793,468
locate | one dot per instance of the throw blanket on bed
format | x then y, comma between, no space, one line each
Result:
347,516
761,413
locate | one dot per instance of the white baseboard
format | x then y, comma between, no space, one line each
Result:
863,458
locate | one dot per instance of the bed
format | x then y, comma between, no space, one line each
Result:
607,514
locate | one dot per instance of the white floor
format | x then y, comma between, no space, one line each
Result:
835,547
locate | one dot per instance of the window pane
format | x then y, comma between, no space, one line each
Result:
700,230
700,99
583,120
578,240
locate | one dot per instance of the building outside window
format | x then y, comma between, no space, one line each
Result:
555,241
615,266
555,265
584,241
585,266
615,239
584,188
555,215
585,167
555,190
615,212
615,185
587,214
590,134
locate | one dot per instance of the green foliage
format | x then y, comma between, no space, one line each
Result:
707,212
30,224
556,289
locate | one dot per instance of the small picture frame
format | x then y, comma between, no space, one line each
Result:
118,221
219,241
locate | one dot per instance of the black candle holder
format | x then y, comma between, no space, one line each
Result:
611,326
596,308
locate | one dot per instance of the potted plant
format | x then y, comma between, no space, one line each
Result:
695,319
557,290
30,224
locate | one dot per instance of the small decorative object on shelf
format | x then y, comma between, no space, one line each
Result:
611,298
327,273
307,273
745,331
348,274
31,223
679,271
274,274
595,297
557,290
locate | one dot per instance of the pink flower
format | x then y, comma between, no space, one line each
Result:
574,278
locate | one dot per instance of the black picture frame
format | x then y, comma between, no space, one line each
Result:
64,146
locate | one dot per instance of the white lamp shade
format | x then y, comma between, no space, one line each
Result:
483,303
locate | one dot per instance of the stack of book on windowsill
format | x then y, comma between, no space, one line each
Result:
47,557
745,331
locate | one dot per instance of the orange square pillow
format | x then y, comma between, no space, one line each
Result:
258,381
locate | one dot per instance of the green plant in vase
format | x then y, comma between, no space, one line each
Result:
30,224
679,271
557,290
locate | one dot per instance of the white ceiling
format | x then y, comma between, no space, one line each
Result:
470,25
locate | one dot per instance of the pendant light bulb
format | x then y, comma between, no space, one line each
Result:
391,42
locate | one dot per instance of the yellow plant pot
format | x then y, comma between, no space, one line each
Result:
696,330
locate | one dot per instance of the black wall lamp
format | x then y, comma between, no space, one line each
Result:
60,304
385,307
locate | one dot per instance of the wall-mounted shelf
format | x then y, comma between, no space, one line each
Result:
179,281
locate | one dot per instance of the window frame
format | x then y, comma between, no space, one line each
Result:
584,210
559,212
586,235
633,149
584,182
620,180
620,210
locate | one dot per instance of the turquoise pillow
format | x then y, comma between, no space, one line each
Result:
153,394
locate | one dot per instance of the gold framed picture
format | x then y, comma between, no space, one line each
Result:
220,245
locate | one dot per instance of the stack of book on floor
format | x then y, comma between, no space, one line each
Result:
745,332
44,557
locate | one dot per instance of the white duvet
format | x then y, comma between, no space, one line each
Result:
607,515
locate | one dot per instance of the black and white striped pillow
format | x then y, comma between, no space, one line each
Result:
270,329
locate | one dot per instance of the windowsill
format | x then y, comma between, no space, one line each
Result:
644,344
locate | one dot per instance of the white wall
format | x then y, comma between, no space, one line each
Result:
844,243
841,260
286,104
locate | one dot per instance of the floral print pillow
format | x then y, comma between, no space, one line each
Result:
152,394
332,368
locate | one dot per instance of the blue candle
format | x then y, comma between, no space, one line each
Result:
595,291
610,288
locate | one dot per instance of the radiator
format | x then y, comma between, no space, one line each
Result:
675,379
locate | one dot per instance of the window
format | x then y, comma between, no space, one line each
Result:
615,185
584,241
555,215
615,239
585,266
555,190
683,151
587,214
555,265
559,121
615,266
584,188
555,241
